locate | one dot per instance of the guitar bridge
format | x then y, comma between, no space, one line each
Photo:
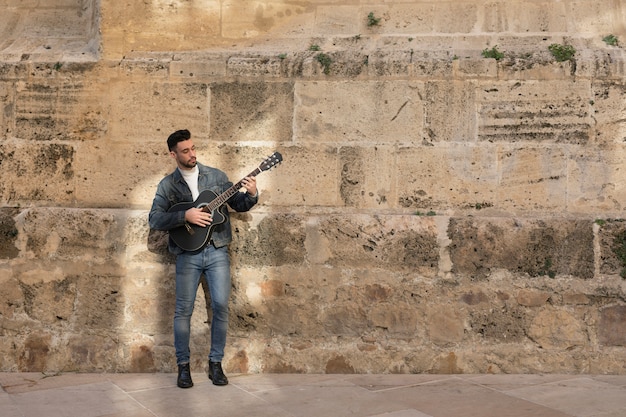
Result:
189,229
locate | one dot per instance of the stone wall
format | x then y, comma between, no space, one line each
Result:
436,211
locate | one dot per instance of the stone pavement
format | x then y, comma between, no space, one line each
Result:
282,395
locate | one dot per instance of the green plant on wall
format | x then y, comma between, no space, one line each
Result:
611,40
325,62
372,20
492,53
547,268
562,52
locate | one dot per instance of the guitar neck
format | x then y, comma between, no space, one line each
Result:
226,195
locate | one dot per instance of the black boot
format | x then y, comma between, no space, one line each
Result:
184,376
216,374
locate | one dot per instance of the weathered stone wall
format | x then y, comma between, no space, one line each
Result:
436,210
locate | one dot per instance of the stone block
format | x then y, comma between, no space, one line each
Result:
385,63
494,17
454,17
148,297
344,320
37,172
558,330
395,243
339,365
531,111
186,66
430,67
239,111
263,66
397,319
81,236
528,247
142,358
10,72
576,299
612,238
242,19
594,180
345,64
92,352
474,297
348,111
160,26
281,318
8,233
474,67
365,180
114,172
446,326
339,19
436,178
145,66
531,16
34,355
506,324
270,240
147,110
7,98
609,98
48,32
530,298
611,326
415,18
51,108
449,111
53,22
49,296
593,18
532,178
307,175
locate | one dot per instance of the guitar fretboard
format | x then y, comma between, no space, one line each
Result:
226,195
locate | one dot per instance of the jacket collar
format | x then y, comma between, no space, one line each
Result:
177,176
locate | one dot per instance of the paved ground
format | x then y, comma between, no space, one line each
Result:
150,395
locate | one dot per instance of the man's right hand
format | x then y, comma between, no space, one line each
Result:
198,217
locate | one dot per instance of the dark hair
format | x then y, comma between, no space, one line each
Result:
178,136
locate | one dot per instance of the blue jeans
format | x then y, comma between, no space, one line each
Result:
214,264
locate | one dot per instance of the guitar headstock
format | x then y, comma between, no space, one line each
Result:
273,160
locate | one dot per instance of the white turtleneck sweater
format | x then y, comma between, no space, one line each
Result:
191,178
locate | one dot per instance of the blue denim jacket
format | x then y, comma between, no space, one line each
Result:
173,189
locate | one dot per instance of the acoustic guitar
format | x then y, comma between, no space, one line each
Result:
191,237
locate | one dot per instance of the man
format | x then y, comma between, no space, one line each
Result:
211,261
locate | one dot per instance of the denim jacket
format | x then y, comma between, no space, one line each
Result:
173,189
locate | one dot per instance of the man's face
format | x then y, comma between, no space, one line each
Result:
185,154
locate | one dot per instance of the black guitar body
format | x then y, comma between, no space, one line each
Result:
191,237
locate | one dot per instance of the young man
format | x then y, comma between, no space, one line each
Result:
211,260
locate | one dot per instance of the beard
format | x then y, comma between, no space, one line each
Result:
190,163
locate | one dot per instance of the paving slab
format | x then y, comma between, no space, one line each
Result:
285,395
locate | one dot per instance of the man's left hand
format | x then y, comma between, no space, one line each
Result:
249,183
